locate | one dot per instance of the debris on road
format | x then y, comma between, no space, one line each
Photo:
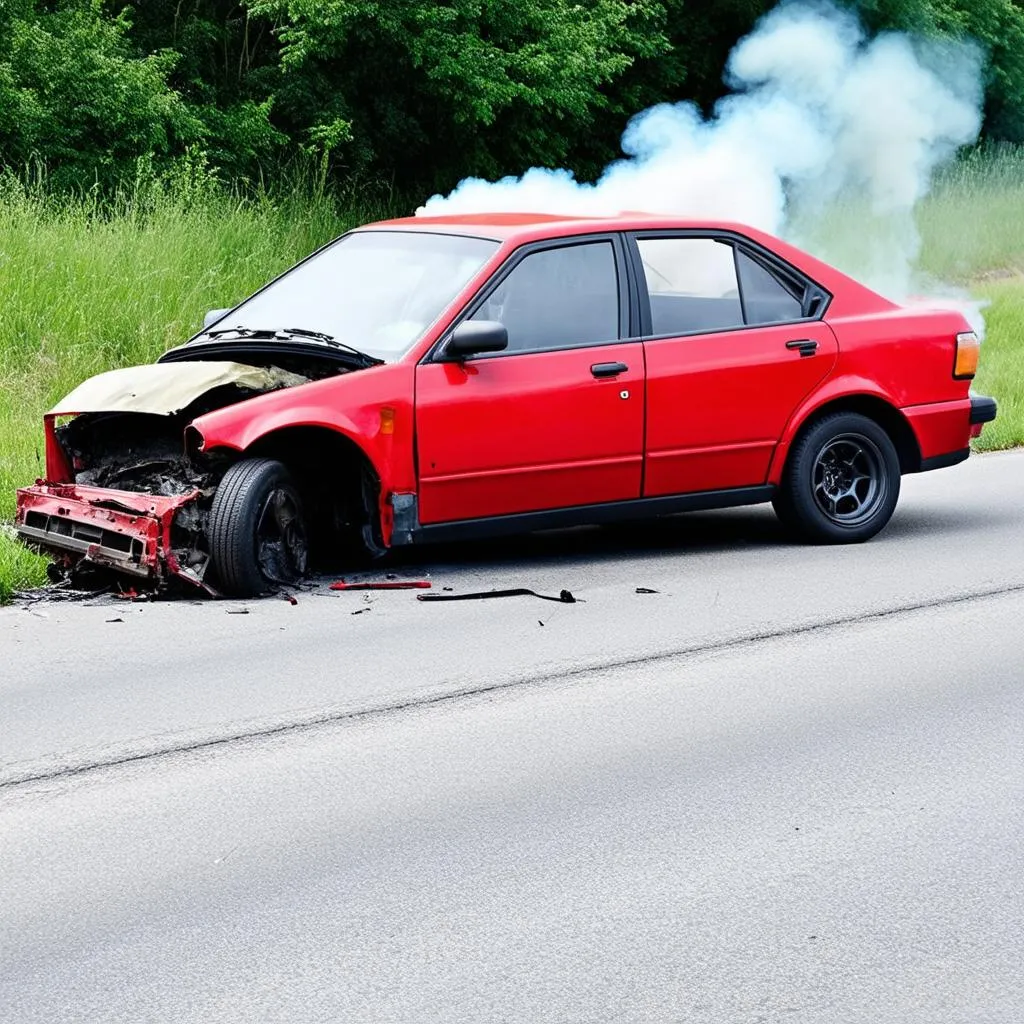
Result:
238,611
647,590
564,596
290,598
383,585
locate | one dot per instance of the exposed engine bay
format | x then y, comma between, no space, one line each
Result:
129,425
138,498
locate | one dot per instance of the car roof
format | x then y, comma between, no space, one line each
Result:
516,229
522,227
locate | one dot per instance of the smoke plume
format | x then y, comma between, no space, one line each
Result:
828,137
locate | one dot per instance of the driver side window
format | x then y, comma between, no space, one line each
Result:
558,298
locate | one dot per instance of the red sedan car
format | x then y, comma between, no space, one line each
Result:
455,377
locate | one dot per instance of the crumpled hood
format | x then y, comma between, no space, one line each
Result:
166,388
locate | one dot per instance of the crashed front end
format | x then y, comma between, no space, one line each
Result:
123,493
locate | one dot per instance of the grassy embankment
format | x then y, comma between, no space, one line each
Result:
84,290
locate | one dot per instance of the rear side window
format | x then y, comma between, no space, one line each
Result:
698,285
691,283
766,300
558,298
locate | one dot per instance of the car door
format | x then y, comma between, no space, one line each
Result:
729,353
554,421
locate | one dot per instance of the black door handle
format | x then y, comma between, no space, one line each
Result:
608,369
805,346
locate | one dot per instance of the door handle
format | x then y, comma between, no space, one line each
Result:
805,346
600,370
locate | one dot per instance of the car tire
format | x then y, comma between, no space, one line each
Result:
257,529
841,481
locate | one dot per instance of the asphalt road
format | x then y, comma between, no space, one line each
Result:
787,786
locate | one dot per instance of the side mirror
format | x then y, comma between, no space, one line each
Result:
472,337
213,316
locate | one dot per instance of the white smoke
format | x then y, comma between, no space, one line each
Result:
829,138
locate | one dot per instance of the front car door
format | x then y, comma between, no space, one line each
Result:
557,419
732,346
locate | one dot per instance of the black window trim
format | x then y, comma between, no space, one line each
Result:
815,296
628,296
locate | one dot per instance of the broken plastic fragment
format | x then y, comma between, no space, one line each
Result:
564,596
396,585
646,590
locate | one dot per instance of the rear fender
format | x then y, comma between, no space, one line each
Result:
834,390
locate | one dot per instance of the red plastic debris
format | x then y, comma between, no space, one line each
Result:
380,585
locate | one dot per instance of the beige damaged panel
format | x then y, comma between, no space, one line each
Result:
165,388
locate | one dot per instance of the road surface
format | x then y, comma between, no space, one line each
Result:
789,785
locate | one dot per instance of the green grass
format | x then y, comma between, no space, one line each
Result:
1001,372
85,287
972,224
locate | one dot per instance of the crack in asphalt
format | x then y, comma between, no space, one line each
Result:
30,775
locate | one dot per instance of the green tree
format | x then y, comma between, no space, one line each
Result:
76,96
431,91
998,25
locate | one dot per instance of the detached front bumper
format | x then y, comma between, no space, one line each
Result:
121,530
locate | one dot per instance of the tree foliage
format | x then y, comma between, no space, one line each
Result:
411,93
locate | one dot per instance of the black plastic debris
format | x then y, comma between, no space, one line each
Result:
564,596
647,590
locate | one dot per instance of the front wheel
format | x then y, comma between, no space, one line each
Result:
841,481
257,529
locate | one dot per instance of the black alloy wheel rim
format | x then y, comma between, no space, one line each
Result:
282,549
848,479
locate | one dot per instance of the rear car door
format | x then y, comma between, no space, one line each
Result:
732,345
557,419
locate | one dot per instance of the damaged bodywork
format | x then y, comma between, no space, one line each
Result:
137,497
453,378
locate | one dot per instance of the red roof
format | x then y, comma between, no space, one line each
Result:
515,229
523,226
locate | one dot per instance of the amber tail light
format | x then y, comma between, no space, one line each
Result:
967,349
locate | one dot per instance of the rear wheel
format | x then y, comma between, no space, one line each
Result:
257,528
841,481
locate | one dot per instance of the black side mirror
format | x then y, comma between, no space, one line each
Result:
472,337
213,316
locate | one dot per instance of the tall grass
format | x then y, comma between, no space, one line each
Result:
1001,371
972,223
88,284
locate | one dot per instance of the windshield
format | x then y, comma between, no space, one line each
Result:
377,291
